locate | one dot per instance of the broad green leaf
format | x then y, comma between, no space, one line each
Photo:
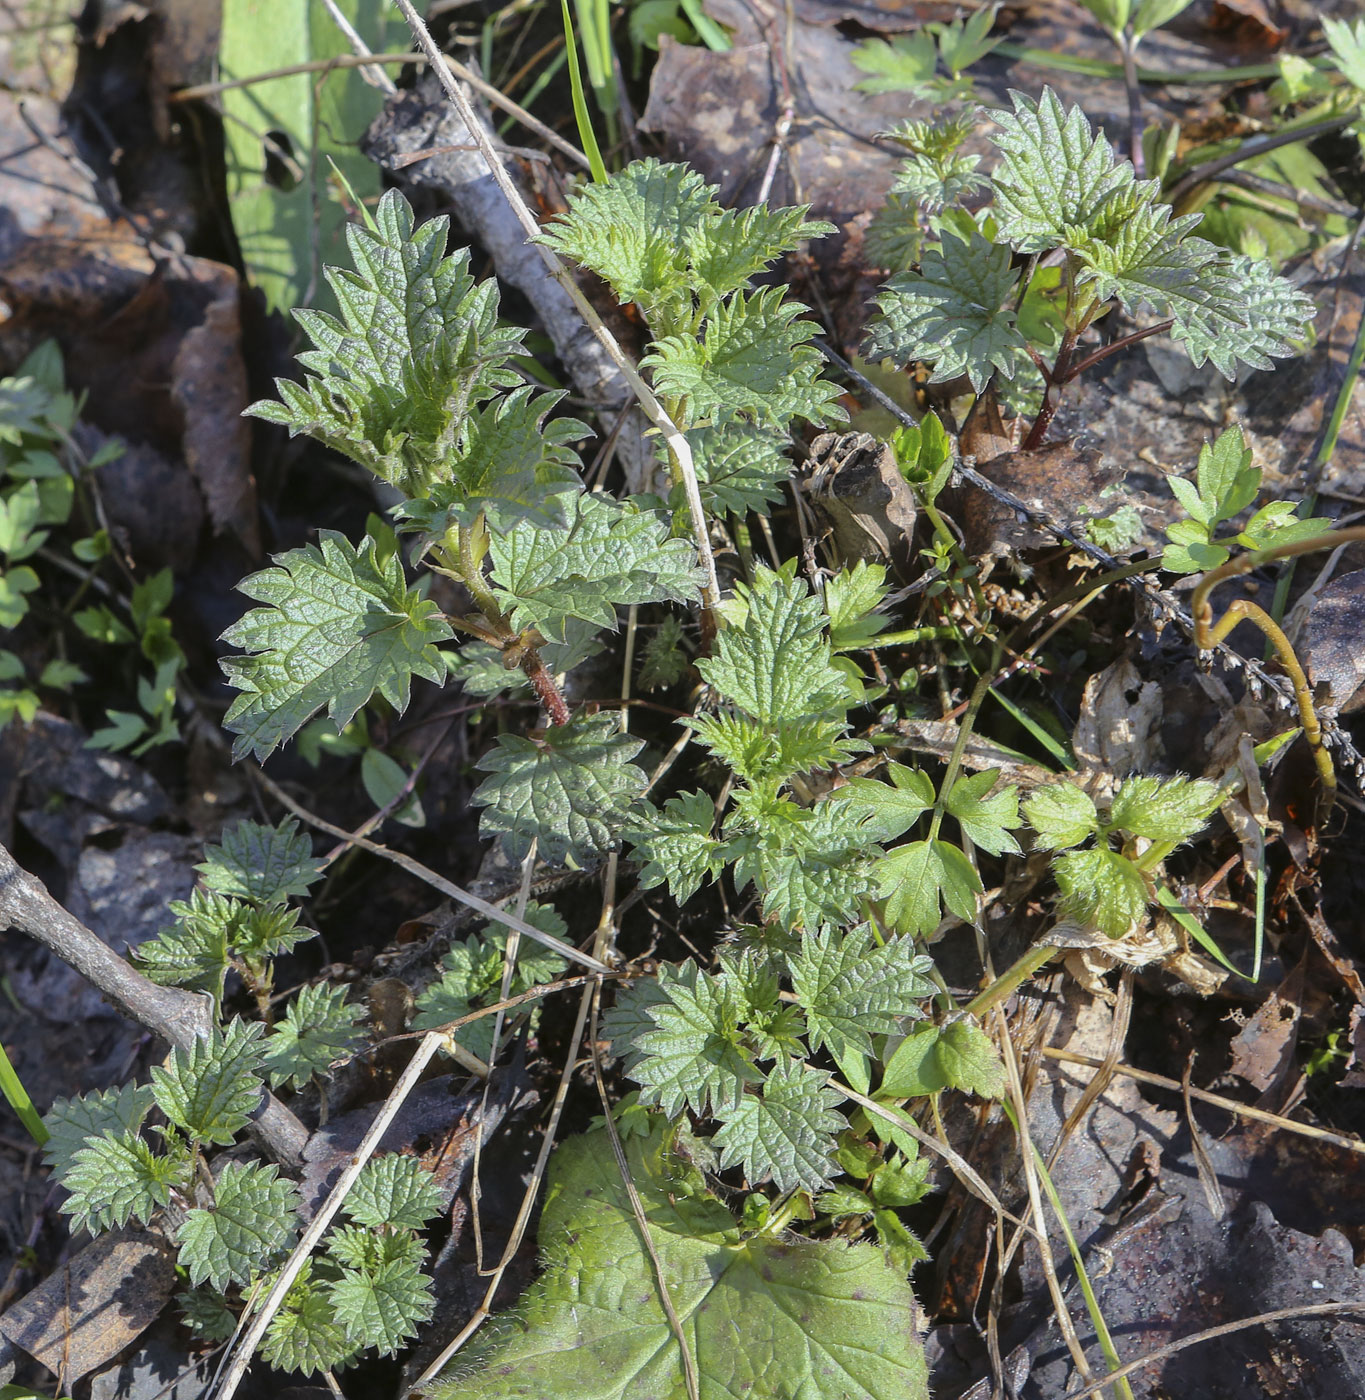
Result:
116,1178
1139,254
733,245
341,624
1055,174
382,1308
831,1317
570,791
319,1026
1225,476
775,663
385,780
280,135
304,1335
958,1055
740,467
960,883
1112,14
852,597
1347,42
1102,888
691,1056
253,1219
889,810
635,229
611,554
785,1131
852,988
72,1123
753,361
261,864
211,1089
952,313
1152,14
987,819
910,879
676,844
1163,809
394,1190
418,344
1062,815
903,64
773,751
196,951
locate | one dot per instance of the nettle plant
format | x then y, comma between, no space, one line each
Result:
1068,236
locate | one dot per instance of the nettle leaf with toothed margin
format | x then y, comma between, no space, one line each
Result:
417,344
676,844
511,465
1055,175
384,1306
952,312
211,1089
611,554
852,988
1163,809
774,661
785,1131
117,1178
753,361
570,791
254,1218
740,468
72,1123
633,230
732,245
304,1335
1062,815
1101,887
319,1026
261,864
763,752
394,1190
692,1054
341,624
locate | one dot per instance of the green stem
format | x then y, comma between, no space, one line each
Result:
1097,68
1011,979
13,1089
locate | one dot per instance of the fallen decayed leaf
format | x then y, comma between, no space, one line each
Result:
87,1311
869,505
1330,645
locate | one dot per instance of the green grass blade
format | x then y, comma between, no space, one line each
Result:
1193,927
19,1101
586,136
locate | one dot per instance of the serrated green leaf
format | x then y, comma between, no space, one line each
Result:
211,1089
676,844
261,864
901,1183
341,624
986,819
319,1026
1347,42
610,555
116,1178
774,751
910,879
206,1315
571,791
753,361
956,1056
304,1335
196,951
888,810
843,1200
71,1123
383,1307
952,312
360,1248
634,230
691,1055
254,1218
740,468
831,1316
1138,253
785,1132
1062,815
962,43
1278,523
664,657
512,465
394,1190
852,988
1163,809
733,245
1102,888
904,64
776,663
416,345
1055,175
852,597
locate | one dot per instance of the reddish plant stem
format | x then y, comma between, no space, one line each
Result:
544,684
1053,396
1122,343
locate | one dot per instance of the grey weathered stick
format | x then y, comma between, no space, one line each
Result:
178,1017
